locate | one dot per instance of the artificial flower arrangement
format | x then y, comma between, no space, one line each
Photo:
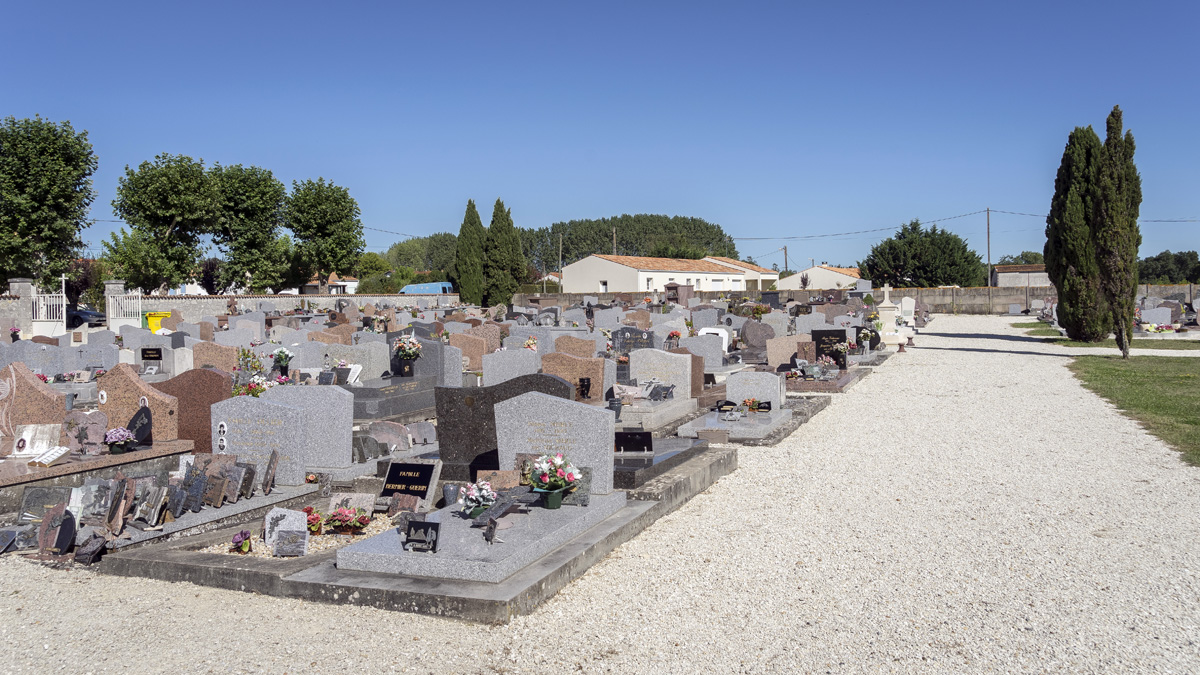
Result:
120,437
258,384
531,343
477,496
624,358
14,330
674,335
866,334
826,361
342,363
348,519
248,361
42,377
256,342
242,542
407,347
843,347
750,403
315,521
282,357
552,473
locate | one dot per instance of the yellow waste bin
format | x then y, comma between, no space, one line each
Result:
154,320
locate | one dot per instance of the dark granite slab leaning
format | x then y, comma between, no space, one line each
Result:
636,469
384,399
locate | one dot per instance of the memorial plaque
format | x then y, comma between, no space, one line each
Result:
291,543
247,487
403,518
625,340
269,474
500,480
91,550
326,378
634,441
36,501
398,503
152,354
214,492
422,537
141,426
176,501
826,340
352,500
7,539
411,478
233,488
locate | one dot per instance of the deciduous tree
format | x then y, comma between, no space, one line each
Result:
45,190
325,220
251,214
170,204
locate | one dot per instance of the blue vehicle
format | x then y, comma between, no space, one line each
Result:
434,288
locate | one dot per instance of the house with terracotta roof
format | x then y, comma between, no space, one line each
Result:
346,285
824,277
637,274
757,278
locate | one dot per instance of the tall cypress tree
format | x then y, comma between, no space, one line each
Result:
1117,234
504,264
1070,251
468,257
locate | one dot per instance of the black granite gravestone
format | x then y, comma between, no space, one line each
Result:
141,426
628,339
467,421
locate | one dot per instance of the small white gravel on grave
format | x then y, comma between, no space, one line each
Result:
967,507
316,543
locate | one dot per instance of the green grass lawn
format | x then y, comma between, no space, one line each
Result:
1037,329
1135,344
1161,392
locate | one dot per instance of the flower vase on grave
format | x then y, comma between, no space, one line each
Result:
551,499
477,511
283,370
406,367
120,448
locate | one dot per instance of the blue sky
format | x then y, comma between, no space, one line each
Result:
773,120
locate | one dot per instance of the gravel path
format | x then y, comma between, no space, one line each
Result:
967,507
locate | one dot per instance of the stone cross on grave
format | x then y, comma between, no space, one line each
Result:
887,292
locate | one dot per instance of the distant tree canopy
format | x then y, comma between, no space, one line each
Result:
1022,258
1170,268
921,257
642,234
434,253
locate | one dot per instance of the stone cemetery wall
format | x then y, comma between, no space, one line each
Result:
192,307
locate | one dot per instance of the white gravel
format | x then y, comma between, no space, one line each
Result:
967,507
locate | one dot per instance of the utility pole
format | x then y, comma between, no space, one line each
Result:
989,252
560,279
785,267
614,241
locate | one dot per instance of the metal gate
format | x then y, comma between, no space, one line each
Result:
49,312
123,310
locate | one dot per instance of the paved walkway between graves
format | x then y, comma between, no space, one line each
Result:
967,507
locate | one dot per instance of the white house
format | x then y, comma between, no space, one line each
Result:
636,274
821,277
757,278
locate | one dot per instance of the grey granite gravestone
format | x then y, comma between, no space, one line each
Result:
779,321
234,338
278,520
328,418
543,424
252,428
670,369
707,347
762,386
467,421
703,318
505,365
